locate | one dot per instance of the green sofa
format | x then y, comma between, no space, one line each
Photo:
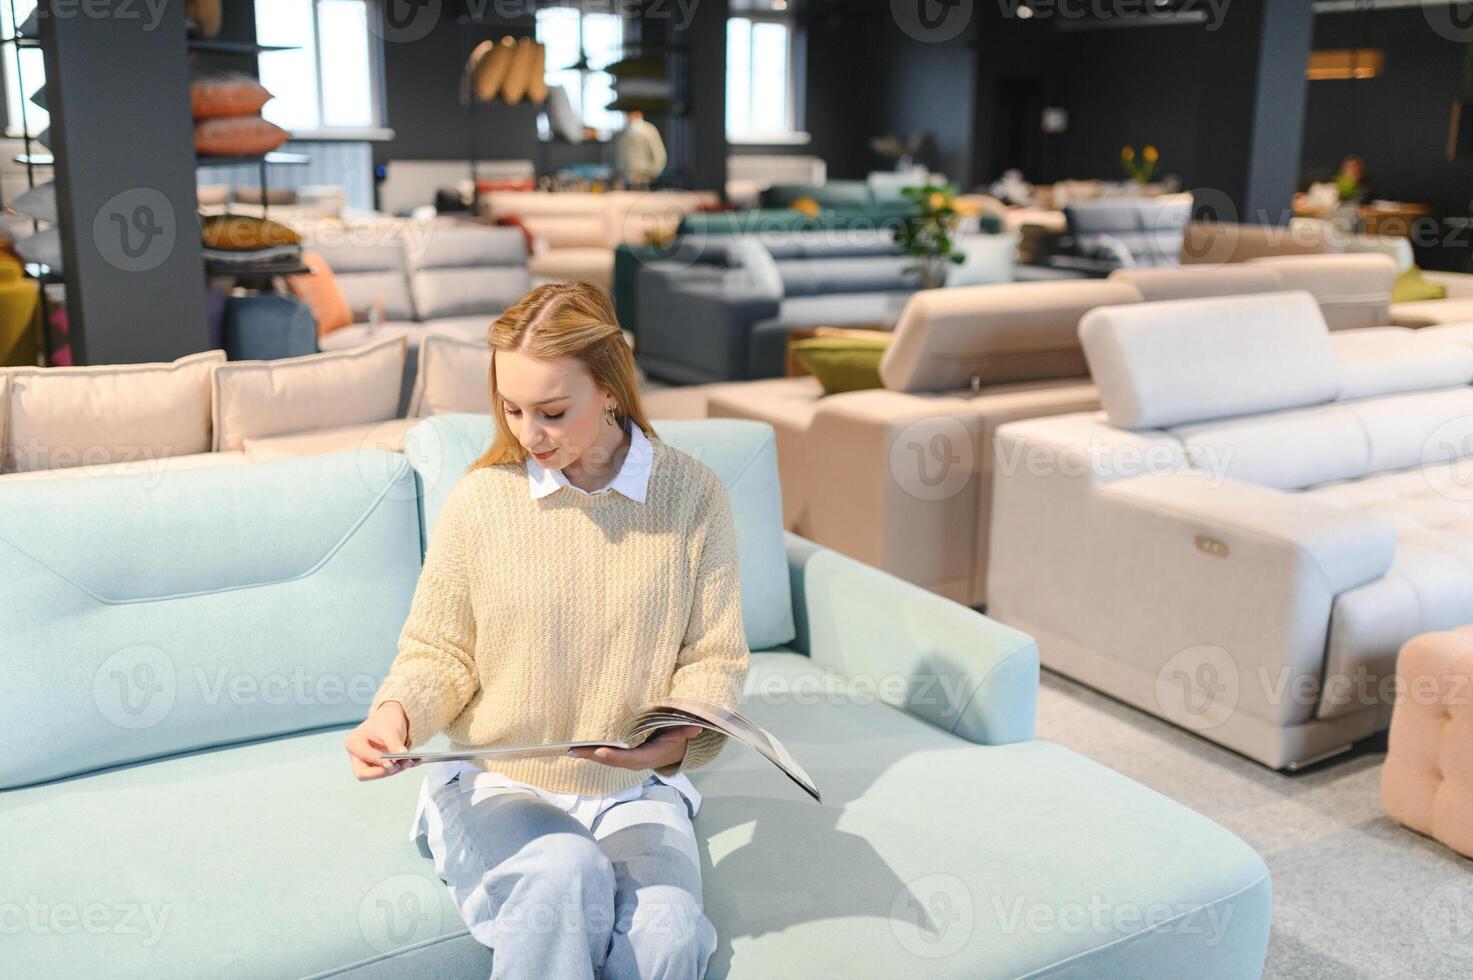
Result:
185,652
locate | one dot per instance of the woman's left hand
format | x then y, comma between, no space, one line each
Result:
665,748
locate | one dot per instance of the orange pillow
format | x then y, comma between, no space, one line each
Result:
322,294
226,95
237,136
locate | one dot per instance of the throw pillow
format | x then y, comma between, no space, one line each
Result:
242,233
238,136
844,363
1411,286
322,294
218,96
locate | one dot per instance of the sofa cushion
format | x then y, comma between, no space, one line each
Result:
844,363
589,264
299,394
741,453
1352,290
1156,285
928,850
454,376
387,436
997,334
1428,587
1387,360
1305,447
848,274
369,271
468,247
1171,363
190,609
455,292
78,416
1412,287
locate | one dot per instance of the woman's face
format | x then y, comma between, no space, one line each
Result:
553,407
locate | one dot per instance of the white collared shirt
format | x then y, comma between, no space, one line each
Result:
632,481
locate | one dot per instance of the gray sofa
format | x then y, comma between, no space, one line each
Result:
1122,233
450,277
721,308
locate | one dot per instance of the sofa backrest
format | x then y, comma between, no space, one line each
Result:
374,268
464,270
995,334
1199,282
1164,364
1149,229
149,616
1218,242
1352,290
743,455
1256,388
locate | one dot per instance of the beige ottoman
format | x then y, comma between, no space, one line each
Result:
1427,782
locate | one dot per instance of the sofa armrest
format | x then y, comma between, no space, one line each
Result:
945,664
1344,546
697,331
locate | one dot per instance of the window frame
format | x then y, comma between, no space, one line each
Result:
583,13
377,128
796,134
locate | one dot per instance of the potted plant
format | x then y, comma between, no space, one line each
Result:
929,235
1140,170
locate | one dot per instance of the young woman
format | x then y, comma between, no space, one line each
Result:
581,569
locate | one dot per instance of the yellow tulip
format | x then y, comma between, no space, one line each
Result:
1127,153
1151,155
936,201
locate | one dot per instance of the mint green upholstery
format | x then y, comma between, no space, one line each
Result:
988,855
176,610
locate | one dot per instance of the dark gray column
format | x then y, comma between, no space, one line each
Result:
706,40
118,90
1252,110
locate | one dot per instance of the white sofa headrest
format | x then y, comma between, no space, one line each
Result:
1165,364
1391,360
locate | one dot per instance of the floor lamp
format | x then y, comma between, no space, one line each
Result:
509,70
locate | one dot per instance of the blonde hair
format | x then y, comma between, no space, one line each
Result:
564,319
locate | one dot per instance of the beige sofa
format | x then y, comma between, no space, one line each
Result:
575,233
901,477
202,410
1262,514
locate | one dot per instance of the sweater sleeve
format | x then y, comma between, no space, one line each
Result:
712,663
434,675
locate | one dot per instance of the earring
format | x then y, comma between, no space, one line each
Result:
611,418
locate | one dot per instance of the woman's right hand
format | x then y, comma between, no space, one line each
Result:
385,730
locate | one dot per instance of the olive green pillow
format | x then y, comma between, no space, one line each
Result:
843,363
1411,286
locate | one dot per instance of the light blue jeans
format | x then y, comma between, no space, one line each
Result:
554,899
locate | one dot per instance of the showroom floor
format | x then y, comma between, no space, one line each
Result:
1356,895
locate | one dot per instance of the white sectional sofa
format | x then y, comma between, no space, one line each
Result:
1263,512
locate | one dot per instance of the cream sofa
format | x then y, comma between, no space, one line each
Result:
575,233
1263,512
862,471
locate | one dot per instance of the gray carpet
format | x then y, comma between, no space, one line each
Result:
1356,895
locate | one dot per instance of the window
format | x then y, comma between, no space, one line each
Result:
590,41
760,57
24,73
330,81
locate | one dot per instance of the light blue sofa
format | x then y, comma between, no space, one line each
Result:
182,654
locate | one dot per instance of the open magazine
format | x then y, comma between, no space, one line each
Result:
668,713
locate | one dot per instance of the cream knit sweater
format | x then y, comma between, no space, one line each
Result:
550,620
